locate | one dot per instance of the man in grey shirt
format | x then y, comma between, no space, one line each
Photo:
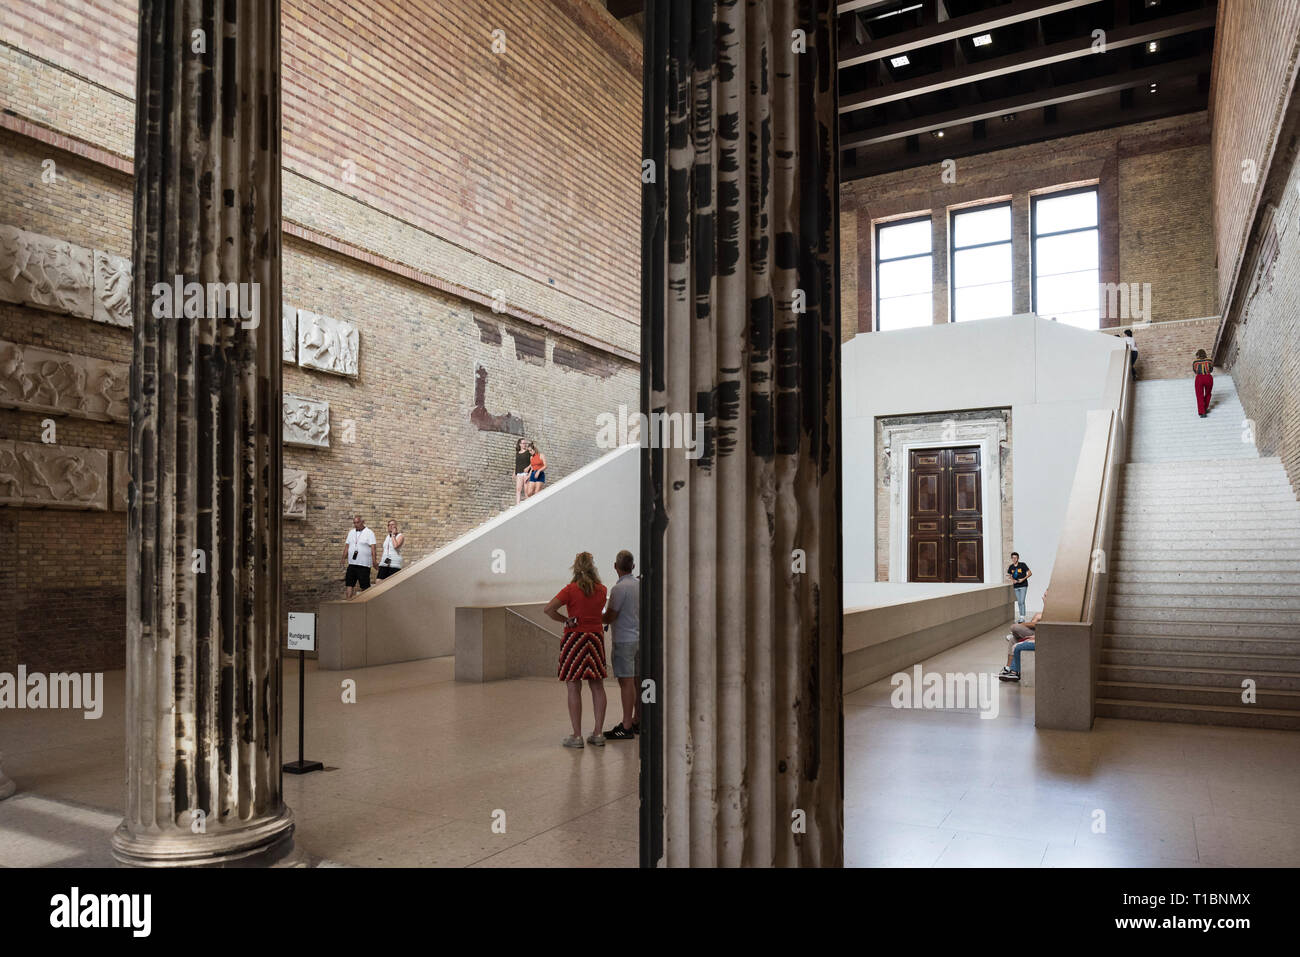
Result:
622,617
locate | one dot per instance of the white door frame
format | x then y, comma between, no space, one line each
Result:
902,440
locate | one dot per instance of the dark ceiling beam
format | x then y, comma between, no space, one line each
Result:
1037,99
933,33
999,140
624,8
1029,59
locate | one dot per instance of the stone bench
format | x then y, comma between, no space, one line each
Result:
1026,669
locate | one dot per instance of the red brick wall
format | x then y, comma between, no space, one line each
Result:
1262,348
529,158
1153,180
1256,55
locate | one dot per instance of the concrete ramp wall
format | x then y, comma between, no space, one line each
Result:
520,557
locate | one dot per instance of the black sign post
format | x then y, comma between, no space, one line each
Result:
302,635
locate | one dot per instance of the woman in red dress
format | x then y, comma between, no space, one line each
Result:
582,654
1204,382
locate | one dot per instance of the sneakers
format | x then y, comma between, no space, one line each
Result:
1006,674
596,739
1010,637
619,733
572,741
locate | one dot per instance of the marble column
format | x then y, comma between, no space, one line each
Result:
203,692
742,614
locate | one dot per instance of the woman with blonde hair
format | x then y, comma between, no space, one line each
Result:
582,653
391,562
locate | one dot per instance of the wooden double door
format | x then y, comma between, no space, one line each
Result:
945,526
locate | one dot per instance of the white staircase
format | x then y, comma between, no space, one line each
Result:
1205,574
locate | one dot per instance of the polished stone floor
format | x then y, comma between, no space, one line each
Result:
946,788
418,767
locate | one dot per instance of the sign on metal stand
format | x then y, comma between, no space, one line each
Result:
302,638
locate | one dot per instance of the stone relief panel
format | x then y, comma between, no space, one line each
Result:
306,421
112,290
330,345
42,380
53,476
46,273
289,333
295,493
121,481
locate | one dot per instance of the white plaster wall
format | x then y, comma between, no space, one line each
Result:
595,509
1047,373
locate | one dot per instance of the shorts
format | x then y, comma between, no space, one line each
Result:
386,570
537,476
357,575
625,660
524,474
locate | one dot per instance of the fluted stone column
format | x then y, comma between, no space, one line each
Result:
743,611
203,707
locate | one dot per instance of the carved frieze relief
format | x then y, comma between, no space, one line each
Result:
33,474
327,344
295,493
42,380
306,421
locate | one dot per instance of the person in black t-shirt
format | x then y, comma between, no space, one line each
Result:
522,456
1018,572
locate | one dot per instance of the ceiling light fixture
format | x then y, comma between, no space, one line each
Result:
937,134
1153,46
899,61
983,40
1153,87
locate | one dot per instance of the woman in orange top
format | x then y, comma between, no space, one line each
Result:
1204,382
582,653
537,470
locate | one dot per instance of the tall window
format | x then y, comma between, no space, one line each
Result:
1065,257
904,275
981,262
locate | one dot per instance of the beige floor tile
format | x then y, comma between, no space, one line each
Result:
983,850
1241,842
887,844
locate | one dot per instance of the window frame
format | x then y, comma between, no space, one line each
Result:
1034,199
952,250
889,224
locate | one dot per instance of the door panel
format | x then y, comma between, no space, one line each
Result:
946,521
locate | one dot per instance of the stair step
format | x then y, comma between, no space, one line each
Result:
1145,563
1209,644
1205,629
1218,552
1246,662
1197,695
1184,578
1263,591
1210,607
1201,677
1121,612
1243,716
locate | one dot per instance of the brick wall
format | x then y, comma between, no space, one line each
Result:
413,270
523,157
1256,56
1153,181
1262,352
1166,349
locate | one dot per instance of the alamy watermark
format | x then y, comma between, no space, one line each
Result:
78,692
945,691
659,430
208,300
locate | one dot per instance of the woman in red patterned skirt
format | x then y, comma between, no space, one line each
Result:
582,655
